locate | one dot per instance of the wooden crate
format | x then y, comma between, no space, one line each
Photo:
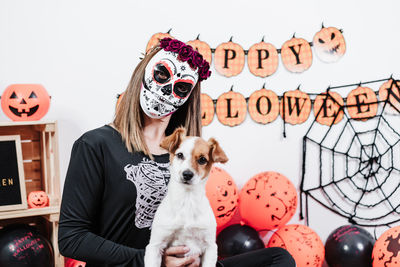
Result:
39,143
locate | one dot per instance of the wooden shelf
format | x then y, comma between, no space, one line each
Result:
29,212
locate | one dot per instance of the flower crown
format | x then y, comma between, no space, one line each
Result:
188,54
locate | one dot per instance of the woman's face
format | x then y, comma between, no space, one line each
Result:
167,84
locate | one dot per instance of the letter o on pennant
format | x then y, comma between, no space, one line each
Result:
390,88
296,55
262,59
207,109
229,59
295,107
264,106
328,108
362,103
231,108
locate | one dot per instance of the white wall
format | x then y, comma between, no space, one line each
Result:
84,52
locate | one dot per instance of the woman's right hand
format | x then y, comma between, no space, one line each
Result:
174,257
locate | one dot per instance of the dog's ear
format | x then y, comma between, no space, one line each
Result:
172,142
217,154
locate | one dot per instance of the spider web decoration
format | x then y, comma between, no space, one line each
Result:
353,167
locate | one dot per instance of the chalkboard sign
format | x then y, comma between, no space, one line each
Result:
12,179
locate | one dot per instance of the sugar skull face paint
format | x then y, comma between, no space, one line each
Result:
167,84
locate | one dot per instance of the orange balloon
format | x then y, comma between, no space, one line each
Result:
302,243
386,251
267,201
73,263
222,193
25,102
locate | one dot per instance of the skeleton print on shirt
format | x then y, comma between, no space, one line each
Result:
151,179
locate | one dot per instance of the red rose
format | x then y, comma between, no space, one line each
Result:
185,53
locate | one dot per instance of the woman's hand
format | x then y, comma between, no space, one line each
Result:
174,257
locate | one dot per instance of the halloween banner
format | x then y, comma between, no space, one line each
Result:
262,58
295,106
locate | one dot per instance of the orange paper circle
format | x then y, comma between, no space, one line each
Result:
393,105
328,109
262,59
231,108
25,102
155,39
263,106
223,195
302,243
296,55
295,107
119,98
362,103
267,201
229,59
207,109
386,249
203,48
329,44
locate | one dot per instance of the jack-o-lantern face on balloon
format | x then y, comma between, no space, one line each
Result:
38,199
25,102
329,44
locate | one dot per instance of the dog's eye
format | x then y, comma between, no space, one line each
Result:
180,155
202,160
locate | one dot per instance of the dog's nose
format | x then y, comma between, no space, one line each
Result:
187,175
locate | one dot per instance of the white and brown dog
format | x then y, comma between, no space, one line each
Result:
185,217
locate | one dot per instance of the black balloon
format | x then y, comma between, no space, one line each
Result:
237,239
23,246
349,246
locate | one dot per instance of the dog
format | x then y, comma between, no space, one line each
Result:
185,217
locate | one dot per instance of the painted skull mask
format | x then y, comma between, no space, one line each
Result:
167,84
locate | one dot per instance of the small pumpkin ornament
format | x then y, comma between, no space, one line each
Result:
263,106
119,98
389,92
38,199
202,47
231,108
329,44
155,39
25,102
229,59
207,109
295,107
362,103
262,59
328,108
296,55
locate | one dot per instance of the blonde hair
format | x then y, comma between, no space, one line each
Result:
129,117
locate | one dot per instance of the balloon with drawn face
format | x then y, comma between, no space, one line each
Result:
167,84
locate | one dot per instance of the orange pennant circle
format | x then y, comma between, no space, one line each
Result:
155,39
203,48
263,106
229,59
295,107
328,108
262,59
296,55
362,103
390,88
207,109
329,44
231,108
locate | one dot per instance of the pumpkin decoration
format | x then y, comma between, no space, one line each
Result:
386,251
390,88
267,201
38,199
155,39
119,97
295,107
223,195
362,103
207,109
329,44
231,108
263,106
202,47
262,59
302,243
328,108
296,55
25,102
229,59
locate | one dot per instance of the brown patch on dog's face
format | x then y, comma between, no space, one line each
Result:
173,141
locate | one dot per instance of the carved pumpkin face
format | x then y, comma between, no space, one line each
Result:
295,107
231,108
203,48
329,44
328,109
155,39
362,103
38,199
25,102
229,59
207,109
264,106
262,59
296,55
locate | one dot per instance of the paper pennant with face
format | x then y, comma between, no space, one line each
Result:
167,84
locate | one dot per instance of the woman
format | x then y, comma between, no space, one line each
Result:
118,174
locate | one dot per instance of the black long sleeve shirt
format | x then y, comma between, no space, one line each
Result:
109,200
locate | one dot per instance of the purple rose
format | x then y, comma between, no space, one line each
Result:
165,42
204,73
197,59
185,53
174,45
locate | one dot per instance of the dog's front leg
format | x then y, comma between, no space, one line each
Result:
210,256
153,255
